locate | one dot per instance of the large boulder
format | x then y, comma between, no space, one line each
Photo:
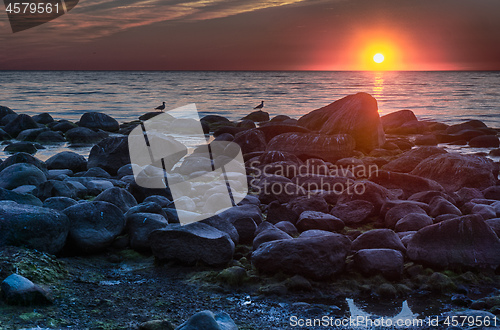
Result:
317,257
19,124
18,290
21,174
319,220
356,115
21,198
378,239
455,171
410,159
82,135
119,197
43,118
55,188
191,243
67,160
410,184
250,141
110,154
353,213
94,225
396,119
98,120
140,226
35,227
311,145
22,157
387,262
4,111
484,141
272,130
466,241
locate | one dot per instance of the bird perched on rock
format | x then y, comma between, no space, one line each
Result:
161,107
260,106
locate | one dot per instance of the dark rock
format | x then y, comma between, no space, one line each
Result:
471,124
270,157
94,225
54,188
228,130
141,193
32,226
356,115
50,137
466,194
426,140
59,203
4,135
413,222
277,213
367,191
454,171
98,120
353,213
387,262
465,241
270,131
275,187
400,211
156,324
18,197
31,134
4,111
8,118
123,171
22,157
67,160
62,126
110,154
485,211
495,225
427,196
82,135
268,235
439,205
160,200
146,207
18,290
224,137
310,145
119,197
308,203
21,147
215,119
444,217
43,118
21,174
207,320
140,226
224,226
250,141
258,116
485,141
319,220
396,119
20,123
319,257
246,228
287,227
410,184
190,243
378,239
246,123
243,211
490,193
97,172
410,159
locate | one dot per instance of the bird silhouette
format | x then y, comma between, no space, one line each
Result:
260,106
161,107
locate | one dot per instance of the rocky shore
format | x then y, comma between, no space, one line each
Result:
342,204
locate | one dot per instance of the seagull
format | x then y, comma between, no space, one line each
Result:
260,106
161,107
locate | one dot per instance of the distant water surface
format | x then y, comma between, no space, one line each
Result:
450,97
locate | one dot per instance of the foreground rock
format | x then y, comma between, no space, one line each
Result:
21,174
192,243
387,262
67,160
455,171
94,225
356,115
207,320
465,241
317,257
18,290
98,120
310,145
35,227
110,154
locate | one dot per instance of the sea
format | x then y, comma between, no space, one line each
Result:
446,96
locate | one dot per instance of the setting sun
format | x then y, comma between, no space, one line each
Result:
378,58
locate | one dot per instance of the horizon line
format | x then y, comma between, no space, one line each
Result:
233,70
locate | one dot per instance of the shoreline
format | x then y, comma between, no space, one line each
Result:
405,204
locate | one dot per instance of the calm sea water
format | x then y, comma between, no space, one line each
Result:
449,97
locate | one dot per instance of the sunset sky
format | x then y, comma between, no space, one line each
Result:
260,35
